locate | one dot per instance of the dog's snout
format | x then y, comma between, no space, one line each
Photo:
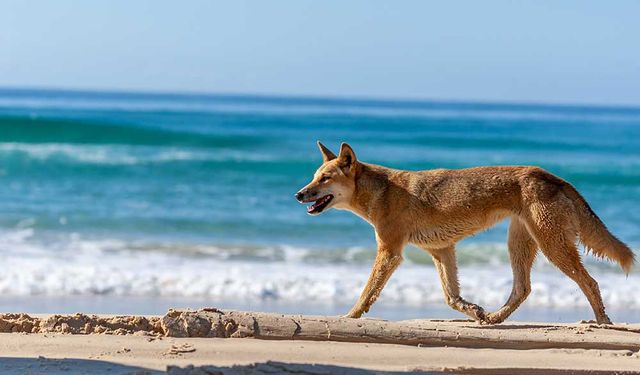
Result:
299,196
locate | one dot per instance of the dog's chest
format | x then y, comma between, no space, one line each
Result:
448,234
438,237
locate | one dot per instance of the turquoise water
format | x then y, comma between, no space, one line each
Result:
110,190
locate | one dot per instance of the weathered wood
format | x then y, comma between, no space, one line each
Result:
266,326
230,324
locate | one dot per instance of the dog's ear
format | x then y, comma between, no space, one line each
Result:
326,153
347,157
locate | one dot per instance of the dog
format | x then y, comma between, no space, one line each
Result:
434,209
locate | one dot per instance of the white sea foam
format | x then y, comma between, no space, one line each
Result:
86,267
123,155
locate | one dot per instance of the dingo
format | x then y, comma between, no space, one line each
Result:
434,209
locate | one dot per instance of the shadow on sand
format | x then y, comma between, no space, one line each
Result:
71,366
271,367
68,366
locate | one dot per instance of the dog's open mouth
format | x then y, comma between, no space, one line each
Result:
320,204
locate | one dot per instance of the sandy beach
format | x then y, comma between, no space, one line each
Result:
181,341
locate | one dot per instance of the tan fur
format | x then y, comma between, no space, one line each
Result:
435,209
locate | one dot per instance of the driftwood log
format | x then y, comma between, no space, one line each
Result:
266,326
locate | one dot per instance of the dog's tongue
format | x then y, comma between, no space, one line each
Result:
318,203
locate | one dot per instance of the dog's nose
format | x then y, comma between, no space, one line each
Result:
299,196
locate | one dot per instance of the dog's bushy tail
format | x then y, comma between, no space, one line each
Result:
594,234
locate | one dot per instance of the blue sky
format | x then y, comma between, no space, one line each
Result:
540,51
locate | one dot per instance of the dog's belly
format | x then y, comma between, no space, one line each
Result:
448,233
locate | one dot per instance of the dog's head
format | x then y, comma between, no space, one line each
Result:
333,183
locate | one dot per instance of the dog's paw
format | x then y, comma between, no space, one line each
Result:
604,321
492,318
477,313
352,315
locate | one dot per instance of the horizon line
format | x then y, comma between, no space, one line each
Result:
333,99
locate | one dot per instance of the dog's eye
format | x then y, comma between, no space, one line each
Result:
325,179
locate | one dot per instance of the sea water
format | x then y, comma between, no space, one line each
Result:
122,202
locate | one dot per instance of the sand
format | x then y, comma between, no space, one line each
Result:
117,345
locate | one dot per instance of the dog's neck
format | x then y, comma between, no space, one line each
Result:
369,186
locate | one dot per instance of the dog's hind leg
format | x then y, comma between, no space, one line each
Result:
445,261
556,237
567,259
522,253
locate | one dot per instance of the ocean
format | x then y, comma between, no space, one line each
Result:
133,203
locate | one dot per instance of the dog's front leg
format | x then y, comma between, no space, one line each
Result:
388,258
445,261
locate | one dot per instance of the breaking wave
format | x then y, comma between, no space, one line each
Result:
121,155
43,130
77,266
